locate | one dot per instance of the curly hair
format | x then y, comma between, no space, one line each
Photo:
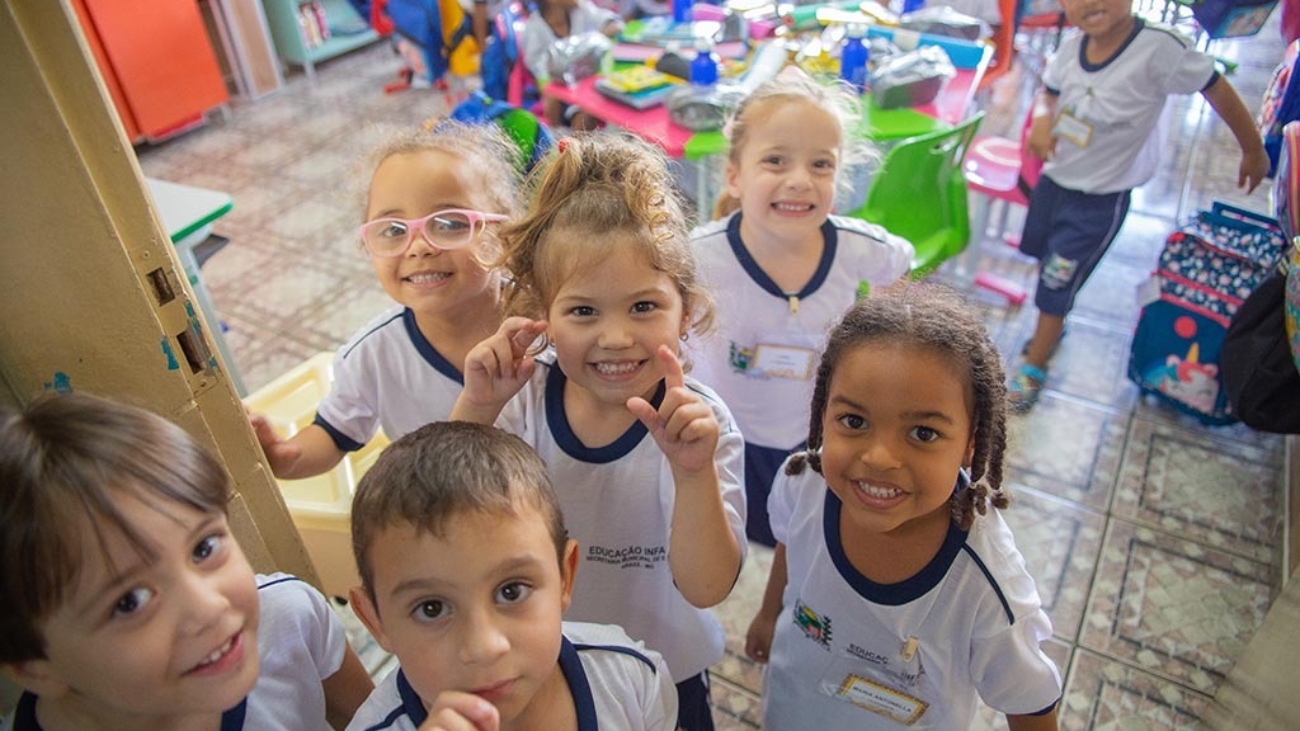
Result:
592,193
792,85
927,316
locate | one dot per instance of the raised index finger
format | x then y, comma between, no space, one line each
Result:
674,376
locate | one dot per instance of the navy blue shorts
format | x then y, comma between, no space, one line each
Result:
694,711
1068,232
761,466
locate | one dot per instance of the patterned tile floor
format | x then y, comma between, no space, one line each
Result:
1155,541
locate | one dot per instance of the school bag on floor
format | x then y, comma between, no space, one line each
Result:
1206,269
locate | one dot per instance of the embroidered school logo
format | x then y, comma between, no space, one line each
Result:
740,357
813,624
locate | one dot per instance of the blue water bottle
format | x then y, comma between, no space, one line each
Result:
704,69
681,11
853,58
911,6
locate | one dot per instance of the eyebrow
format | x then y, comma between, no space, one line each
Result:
423,584
930,415
437,208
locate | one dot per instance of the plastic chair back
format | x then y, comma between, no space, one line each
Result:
920,194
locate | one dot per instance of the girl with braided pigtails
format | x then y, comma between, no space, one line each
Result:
896,596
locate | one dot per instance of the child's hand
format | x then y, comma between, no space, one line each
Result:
282,455
684,426
1254,167
758,640
457,711
1042,143
498,367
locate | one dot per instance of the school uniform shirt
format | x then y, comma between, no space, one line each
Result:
1108,139
300,642
616,684
762,357
618,505
851,653
387,375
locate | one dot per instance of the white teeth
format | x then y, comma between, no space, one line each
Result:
218,653
613,369
882,493
792,206
427,278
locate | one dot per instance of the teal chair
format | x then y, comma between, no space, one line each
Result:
920,194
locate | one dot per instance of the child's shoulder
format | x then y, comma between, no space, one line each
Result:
711,231
378,328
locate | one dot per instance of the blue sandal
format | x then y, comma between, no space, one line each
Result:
1024,387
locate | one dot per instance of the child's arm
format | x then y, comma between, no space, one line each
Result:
758,640
479,22
1045,722
454,710
1254,159
703,552
346,690
309,452
496,369
1042,143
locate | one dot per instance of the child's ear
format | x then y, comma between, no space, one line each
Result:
369,616
733,181
37,677
969,456
568,571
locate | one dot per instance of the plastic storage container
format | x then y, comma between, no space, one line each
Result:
321,506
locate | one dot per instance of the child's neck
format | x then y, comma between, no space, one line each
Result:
790,264
595,423
1102,48
454,335
552,708
889,558
558,18
70,713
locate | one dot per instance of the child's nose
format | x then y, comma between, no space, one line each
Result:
422,245
880,454
615,336
484,639
203,602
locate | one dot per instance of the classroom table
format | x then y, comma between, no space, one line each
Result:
188,213
950,107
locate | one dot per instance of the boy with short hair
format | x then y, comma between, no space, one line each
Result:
1094,125
466,569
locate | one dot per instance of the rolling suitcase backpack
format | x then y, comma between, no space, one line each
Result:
1206,269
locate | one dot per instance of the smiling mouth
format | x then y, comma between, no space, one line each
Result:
217,654
427,277
793,207
620,368
876,492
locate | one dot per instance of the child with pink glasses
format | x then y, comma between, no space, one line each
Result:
432,195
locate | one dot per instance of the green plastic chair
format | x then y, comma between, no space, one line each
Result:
920,194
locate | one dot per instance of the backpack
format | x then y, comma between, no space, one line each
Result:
441,29
1259,375
1207,268
531,137
1280,105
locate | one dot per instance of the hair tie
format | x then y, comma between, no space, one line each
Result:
562,145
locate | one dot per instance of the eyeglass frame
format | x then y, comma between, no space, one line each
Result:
416,226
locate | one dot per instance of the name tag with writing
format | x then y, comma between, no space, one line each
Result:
892,704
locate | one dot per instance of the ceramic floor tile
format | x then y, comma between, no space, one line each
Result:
1104,694
1092,362
1173,607
271,360
1217,492
1157,409
1111,293
1061,542
1140,240
1068,448
734,707
343,316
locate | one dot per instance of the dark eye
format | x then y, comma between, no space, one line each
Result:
644,307
853,421
449,223
513,592
430,610
583,311
925,434
207,548
771,160
391,229
824,164
132,601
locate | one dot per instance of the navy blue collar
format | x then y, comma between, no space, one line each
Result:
427,351
25,715
562,430
907,590
1093,67
570,665
761,278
